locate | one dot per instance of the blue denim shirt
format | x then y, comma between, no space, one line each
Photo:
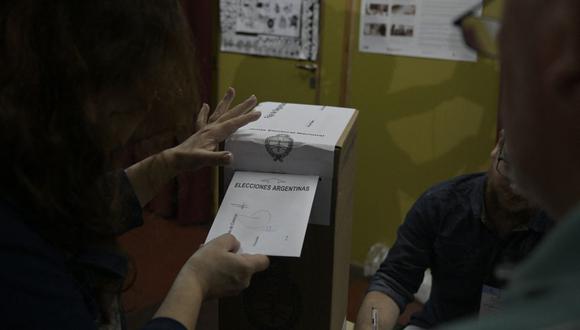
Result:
445,231
38,289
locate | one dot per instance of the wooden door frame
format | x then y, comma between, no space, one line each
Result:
203,16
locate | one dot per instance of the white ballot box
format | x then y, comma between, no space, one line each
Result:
310,291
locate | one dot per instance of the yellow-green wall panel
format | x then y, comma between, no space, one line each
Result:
332,53
271,79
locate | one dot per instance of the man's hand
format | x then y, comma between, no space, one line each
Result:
201,149
219,270
388,311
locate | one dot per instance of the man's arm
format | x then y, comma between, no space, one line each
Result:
387,310
401,273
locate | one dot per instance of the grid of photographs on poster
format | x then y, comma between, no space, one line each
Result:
275,28
418,28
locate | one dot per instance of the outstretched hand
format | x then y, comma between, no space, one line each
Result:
201,149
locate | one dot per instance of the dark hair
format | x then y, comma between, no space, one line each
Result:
57,59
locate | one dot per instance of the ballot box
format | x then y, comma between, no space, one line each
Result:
310,291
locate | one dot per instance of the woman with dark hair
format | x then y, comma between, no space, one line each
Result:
76,79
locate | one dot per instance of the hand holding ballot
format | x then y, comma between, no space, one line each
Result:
218,268
214,271
267,212
219,271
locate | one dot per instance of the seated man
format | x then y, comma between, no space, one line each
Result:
470,231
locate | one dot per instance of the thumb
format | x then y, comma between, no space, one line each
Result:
259,262
227,242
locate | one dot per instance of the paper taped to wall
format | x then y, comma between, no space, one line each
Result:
268,213
278,28
418,28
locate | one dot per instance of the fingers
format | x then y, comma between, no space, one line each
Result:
202,117
240,109
224,104
227,242
257,262
227,128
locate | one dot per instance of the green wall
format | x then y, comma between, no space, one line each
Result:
422,121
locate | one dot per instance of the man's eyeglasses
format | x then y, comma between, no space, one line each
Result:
502,164
480,32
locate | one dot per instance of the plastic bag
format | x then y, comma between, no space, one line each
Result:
375,257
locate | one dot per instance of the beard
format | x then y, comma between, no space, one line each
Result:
512,205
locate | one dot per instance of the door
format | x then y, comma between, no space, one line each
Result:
294,81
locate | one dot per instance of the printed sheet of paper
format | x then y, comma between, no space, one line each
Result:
278,28
418,28
267,213
313,125
279,18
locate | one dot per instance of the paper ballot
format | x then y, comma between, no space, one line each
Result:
268,213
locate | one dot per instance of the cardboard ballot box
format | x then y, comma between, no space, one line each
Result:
309,292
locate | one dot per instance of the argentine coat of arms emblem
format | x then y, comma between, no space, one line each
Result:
279,146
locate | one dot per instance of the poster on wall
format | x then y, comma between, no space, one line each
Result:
277,28
418,28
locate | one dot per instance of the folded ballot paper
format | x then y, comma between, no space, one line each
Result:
268,213
281,178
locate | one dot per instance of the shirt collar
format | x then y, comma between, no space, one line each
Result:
477,199
541,222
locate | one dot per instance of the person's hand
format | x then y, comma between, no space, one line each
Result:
219,270
201,149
